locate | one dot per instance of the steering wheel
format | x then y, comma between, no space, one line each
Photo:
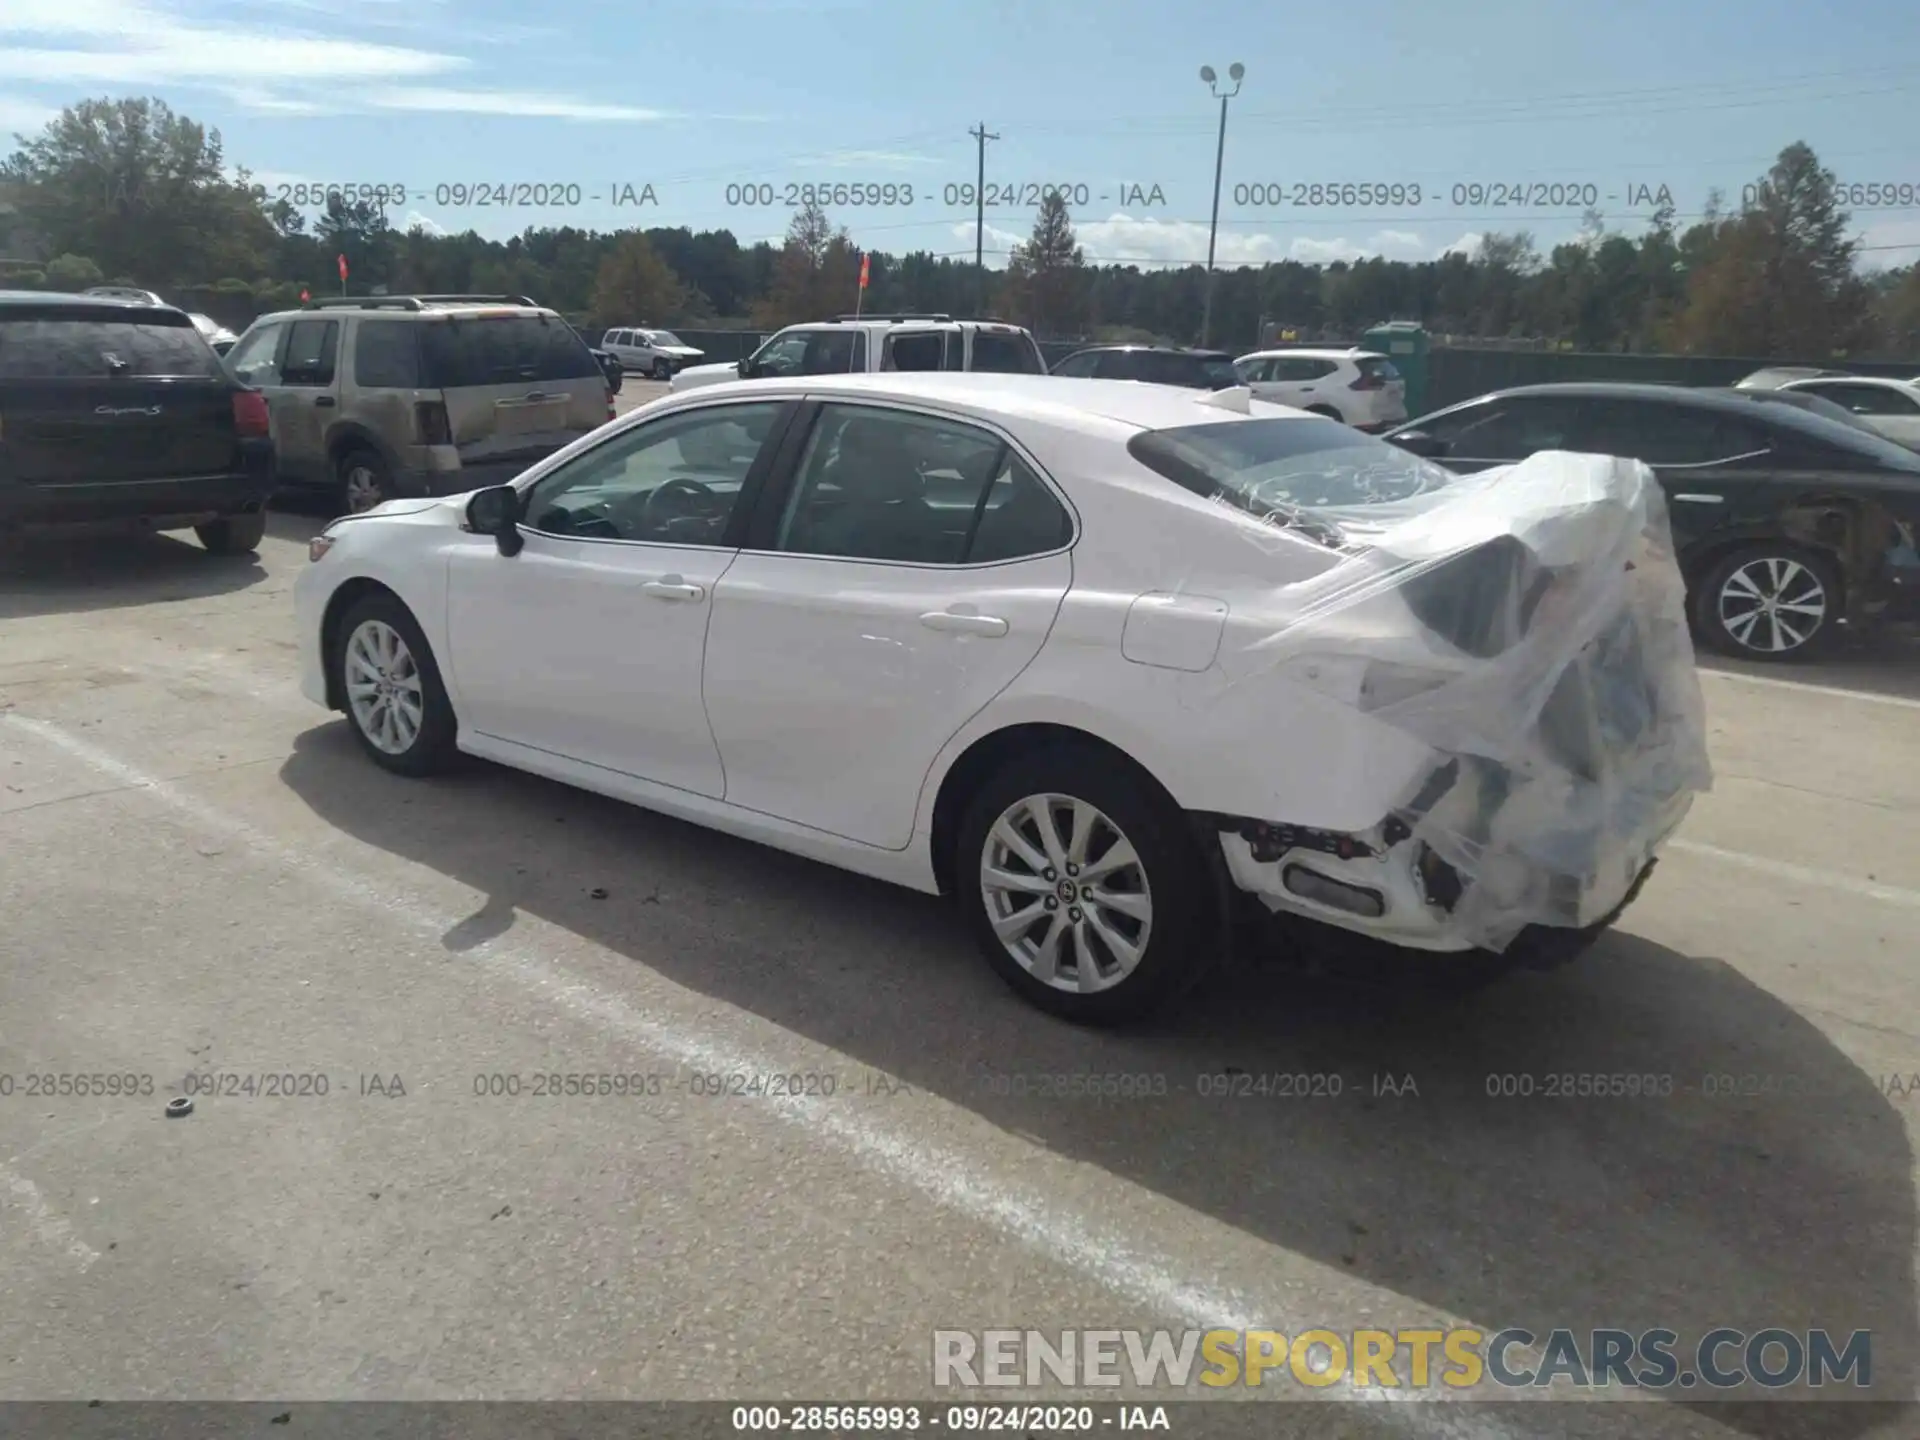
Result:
655,513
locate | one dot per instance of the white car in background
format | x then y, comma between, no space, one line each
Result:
658,353
1356,387
1109,665
1891,407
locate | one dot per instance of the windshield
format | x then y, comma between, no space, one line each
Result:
80,345
1276,466
1220,373
665,337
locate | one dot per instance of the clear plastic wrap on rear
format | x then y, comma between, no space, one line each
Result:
1528,625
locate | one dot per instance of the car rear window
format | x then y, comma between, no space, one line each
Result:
1264,466
502,350
74,347
1002,354
1380,369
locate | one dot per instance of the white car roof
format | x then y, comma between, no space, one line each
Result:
1054,399
1808,380
1354,353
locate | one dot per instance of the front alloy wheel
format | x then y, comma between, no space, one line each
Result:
1770,604
1066,893
384,689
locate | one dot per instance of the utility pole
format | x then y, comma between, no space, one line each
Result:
980,134
1234,72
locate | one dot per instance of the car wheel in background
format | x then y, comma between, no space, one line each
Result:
1774,601
663,369
235,535
364,481
385,674
1085,888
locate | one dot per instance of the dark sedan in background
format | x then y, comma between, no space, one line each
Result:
1787,523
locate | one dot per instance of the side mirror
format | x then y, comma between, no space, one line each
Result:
1419,442
610,367
495,511
745,367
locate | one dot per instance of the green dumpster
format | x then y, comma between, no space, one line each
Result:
1405,343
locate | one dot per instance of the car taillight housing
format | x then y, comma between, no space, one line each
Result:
1368,382
250,420
430,419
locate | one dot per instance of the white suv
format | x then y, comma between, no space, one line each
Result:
650,352
1358,387
870,343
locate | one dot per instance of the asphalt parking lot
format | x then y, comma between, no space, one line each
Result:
199,874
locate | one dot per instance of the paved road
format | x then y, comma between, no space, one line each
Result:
198,873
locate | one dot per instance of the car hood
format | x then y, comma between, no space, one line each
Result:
695,375
686,350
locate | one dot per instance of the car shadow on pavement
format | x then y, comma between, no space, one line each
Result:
1885,662
1423,1175
71,572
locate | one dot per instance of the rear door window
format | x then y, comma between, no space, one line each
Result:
1076,367
311,349
386,355
1662,434
1509,429
1118,365
254,359
1867,399
1379,369
913,350
503,350
51,346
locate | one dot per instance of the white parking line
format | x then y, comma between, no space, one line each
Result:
1802,875
948,1176
46,1222
1871,697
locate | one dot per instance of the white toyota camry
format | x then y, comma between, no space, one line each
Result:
1107,664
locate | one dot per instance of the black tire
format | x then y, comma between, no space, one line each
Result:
1187,931
362,481
432,749
1802,573
663,369
234,535
1328,411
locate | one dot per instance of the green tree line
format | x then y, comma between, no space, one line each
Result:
128,191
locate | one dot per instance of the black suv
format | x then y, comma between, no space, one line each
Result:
1155,364
1785,522
113,410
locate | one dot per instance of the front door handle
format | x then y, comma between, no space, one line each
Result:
325,402
673,588
947,620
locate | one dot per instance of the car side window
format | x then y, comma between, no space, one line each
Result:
1661,434
386,355
1076,367
913,350
252,361
1509,429
1118,365
674,481
1317,369
1867,399
833,352
783,355
876,484
311,348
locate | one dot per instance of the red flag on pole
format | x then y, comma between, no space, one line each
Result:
305,295
343,267
863,271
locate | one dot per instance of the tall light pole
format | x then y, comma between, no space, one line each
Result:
1235,72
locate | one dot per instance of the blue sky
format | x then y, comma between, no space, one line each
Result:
690,96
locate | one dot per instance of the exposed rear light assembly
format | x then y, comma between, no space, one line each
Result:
1368,382
430,419
250,420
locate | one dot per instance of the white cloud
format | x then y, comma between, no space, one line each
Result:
1467,245
506,102
416,221
263,102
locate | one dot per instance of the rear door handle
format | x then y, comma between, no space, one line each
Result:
947,620
673,588
325,402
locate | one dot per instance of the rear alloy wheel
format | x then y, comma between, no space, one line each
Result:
663,369
235,535
1085,889
395,701
1769,602
363,481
